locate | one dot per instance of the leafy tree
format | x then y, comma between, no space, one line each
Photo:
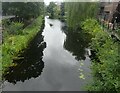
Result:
23,10
77,12
50,9
53,10
62,8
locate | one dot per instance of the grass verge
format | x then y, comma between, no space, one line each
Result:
14,44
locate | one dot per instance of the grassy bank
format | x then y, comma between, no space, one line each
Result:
14,43
106,59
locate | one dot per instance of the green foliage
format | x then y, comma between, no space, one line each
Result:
53,10
0,63
23,10
14,44
50,9
62,12
106,71
62,8
15,28
76,12
118,31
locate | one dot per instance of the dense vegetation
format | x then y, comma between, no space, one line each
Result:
80,19
23,10
105,50
55,10
78,12
16,34
105,63
13,44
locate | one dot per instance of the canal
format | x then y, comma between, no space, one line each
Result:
54,61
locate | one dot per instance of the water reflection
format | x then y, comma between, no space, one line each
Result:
76,42
60,72
31,65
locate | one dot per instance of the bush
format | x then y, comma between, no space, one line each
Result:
14,44
15,28
106,71
118,32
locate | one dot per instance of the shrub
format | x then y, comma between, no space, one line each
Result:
15,28
106,72
14,44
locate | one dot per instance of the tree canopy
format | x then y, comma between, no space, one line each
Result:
76,12
25,10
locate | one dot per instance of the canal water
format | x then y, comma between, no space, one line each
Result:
54,61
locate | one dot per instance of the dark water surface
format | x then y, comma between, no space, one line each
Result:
52,62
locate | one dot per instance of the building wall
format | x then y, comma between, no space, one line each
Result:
108,11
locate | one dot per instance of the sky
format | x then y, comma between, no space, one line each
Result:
48,1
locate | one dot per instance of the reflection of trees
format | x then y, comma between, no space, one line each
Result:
31,65
76,42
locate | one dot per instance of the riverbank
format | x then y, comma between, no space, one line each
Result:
15,44
105,61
